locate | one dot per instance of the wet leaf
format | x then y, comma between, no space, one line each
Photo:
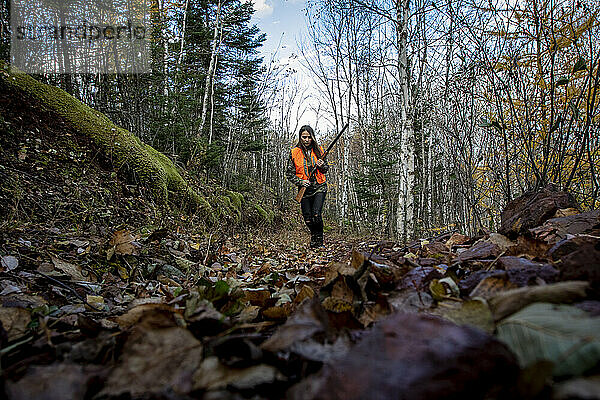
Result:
9,263
562,334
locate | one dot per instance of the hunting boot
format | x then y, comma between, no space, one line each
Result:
314,240
318,239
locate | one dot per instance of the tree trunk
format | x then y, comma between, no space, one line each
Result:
405,210
211,69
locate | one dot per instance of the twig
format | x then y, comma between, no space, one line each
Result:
207,249
494,262
67,287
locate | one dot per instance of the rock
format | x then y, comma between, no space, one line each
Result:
480,251
467,284
523,272
557,229
583,264
571,244
416,356
532,209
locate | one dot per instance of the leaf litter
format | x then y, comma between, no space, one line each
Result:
169,314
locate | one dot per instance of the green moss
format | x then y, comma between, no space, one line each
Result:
237,199
264,215
152,168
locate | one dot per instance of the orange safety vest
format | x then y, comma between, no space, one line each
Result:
303,168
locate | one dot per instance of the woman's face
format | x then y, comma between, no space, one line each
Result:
306,139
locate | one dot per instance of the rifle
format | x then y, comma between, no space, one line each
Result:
300,194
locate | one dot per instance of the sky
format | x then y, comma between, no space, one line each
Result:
284,23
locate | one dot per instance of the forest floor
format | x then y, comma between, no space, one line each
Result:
176,315
103,295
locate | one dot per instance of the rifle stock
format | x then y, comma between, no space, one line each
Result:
300,194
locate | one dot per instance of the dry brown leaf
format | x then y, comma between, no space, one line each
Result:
277,313
72,270
306,292
257,297
492,285
155,362
507,303
213,375
136,313
14,321
122,242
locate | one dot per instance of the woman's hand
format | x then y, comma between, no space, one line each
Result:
320,163
305,183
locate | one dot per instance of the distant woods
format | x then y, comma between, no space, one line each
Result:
455,107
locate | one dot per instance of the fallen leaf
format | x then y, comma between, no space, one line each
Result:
14,321
563,334
9,263
492,286
306,292
509,302
470,312
415,356
308,320
213,375
122,243
56,381
257,297
72,270
136,313
457,239
155,362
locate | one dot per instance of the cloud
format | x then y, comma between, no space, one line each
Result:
262,7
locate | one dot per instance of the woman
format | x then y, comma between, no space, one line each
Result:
303,158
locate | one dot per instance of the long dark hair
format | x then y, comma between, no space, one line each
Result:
314,145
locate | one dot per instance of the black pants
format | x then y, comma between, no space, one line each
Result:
311,211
